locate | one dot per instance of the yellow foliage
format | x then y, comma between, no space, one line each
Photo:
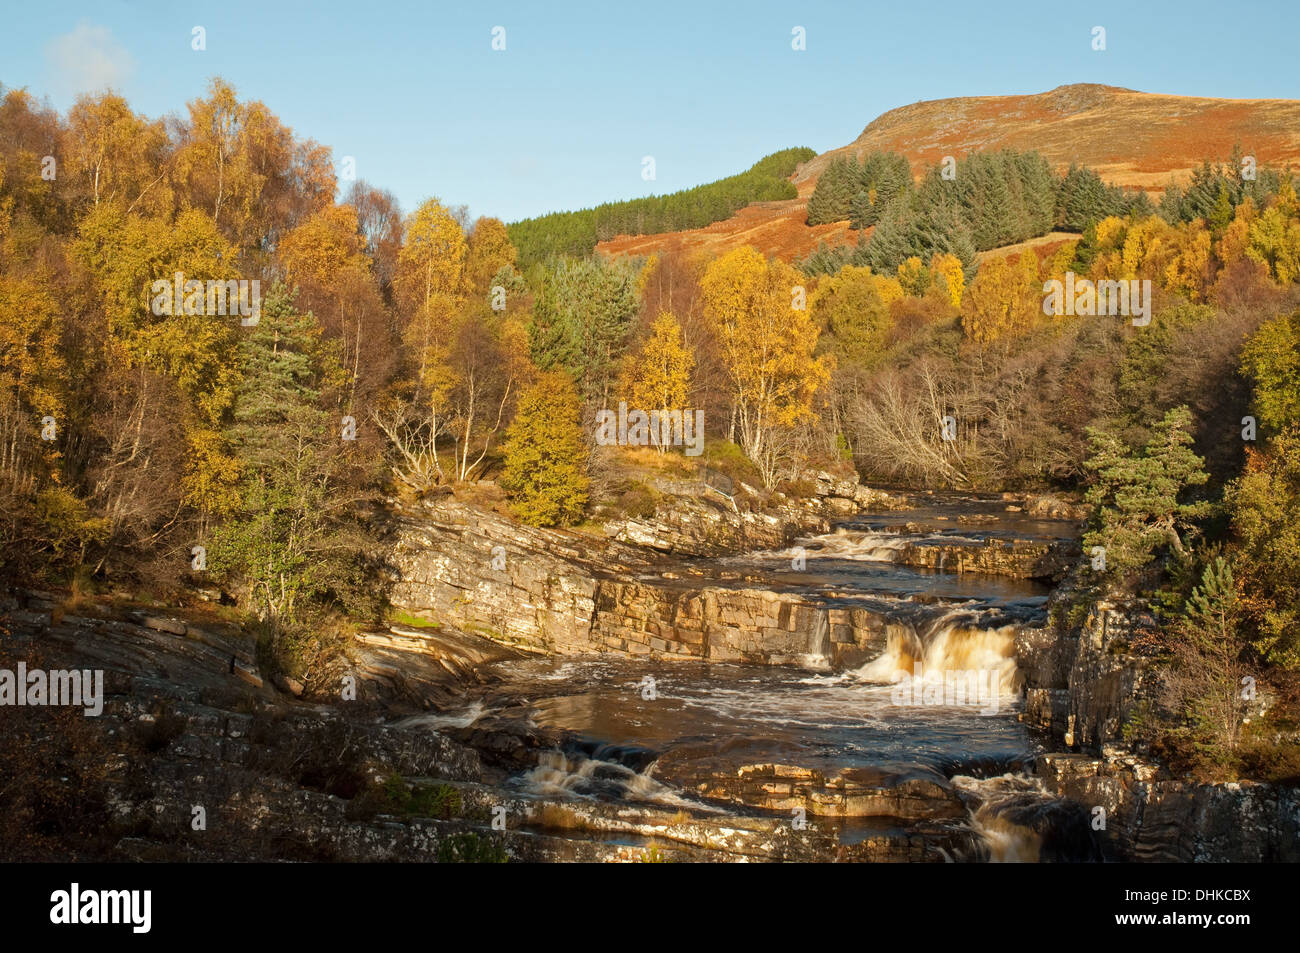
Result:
429,335
235,160
661,369
432,259
947,275
1028,266
32,369
1236,237
889,289
647,271
1003,299
6,208
211,474
1188,269
767,345
1286,202
325,246
489,250
1274,237
112,152
1059,263
1110,233
910,276
850,306
1148,249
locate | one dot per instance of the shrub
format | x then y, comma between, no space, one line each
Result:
470,848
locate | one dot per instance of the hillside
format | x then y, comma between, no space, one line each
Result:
1135,139
776,228
577,232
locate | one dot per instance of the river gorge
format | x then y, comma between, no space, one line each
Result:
879,676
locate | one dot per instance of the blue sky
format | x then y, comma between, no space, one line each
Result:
563,116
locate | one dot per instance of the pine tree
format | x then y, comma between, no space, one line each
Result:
292,541
1221,215
581,321
1136,495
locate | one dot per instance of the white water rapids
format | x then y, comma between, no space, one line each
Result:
707,719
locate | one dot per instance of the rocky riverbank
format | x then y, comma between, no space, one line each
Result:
1085,677
562,592
435,757
189,730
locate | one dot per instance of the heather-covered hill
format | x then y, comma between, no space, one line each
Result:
1130,138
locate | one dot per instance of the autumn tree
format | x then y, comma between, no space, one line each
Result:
28,134
429,287
1264,507
432,260
660,372
1235,239
1275,236
1271,360
489,251
40,515
913,276
1003,299
125,254
481,372
32,374
767,347
379,218
849,305
1188,269
325,258
117,156
948,276
237,162
430,275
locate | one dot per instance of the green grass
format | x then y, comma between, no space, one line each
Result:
402,617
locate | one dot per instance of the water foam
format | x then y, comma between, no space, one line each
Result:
562,775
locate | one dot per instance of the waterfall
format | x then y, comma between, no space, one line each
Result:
818,657
1017,821
953,643
1005,841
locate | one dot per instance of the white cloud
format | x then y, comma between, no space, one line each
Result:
87,60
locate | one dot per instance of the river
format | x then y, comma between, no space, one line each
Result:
939,706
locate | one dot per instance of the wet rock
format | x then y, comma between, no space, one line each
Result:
1018,558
